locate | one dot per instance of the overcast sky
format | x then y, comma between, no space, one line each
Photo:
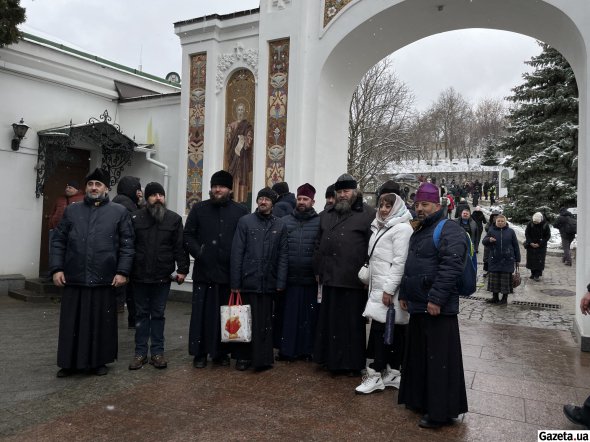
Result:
478,63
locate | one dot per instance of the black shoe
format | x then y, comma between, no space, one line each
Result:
576,415
200,361
101,371
222,361
426,422
282,357
242,364
536,278
64,372
504,300
531,277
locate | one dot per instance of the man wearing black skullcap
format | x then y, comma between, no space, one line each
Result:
159,248
345,229
91,254
330,197
259,264
208,236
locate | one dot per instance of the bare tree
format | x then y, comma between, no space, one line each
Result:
378,123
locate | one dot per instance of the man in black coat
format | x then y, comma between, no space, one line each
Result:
300,301
285,201
128,191
159,246
567,226
208,236
341,249
259,264
91,255
470,226
433,381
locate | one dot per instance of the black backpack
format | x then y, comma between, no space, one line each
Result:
571,225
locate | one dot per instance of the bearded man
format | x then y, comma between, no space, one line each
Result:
159,245
208,236
340,252
433,382
300,301
91,254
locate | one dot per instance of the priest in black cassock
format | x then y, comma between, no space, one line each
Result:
91,254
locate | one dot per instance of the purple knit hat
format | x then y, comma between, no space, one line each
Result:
427,192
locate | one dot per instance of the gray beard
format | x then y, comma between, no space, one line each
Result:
157,211
343,207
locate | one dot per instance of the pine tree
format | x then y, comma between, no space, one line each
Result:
542,138
489,152
11,15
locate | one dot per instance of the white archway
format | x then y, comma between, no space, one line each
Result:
364,34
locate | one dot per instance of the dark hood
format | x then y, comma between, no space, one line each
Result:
128,186
564,212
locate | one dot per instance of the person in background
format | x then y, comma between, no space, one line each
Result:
580,415
71,195
537,234
128,197
486,251
300,305
567,226
469,225
463,204
503,258
286,201
480,219
389,243
330,197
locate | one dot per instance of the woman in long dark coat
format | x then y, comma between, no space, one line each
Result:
486,250
537,234
504,256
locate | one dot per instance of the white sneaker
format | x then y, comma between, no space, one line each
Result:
391,377
371,381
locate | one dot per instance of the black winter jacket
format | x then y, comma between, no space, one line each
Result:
303,229
342,245
284,205
208,236
92,243
431,274
127,193
471,229
536,234
260,254
564,218
504,252
158,247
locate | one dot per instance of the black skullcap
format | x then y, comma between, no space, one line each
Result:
99,175
268,193
153,188
281,188
222,178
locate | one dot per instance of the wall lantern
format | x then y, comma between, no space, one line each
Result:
20,130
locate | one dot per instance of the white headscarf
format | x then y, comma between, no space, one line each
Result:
537,217
398,209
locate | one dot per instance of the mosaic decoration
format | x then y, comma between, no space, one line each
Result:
196,130
332,8
226,61
239,133
278,90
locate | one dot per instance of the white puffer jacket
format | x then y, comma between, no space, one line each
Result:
387,266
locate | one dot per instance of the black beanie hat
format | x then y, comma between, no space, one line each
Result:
281,188
153,188
389,187
345,181
330,192
268,193
99,175
222,178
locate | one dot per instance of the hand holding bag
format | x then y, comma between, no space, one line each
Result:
236,320
516,278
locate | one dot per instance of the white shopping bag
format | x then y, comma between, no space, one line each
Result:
236,320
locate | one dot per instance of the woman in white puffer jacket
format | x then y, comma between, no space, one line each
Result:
389,243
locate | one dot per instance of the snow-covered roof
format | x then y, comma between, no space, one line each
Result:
456,165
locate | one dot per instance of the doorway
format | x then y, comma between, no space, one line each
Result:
75,166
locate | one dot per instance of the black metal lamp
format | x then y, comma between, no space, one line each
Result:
20,130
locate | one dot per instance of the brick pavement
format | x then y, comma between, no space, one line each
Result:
521,365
